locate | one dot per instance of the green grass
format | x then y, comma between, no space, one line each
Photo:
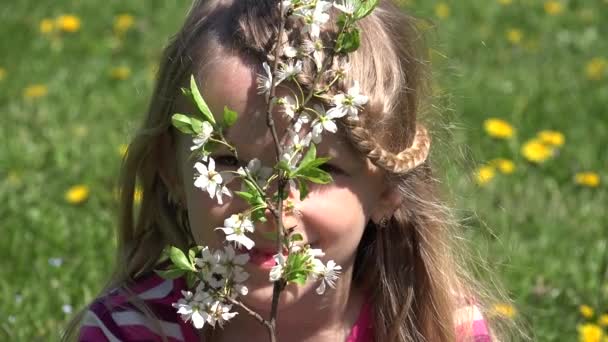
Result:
534,227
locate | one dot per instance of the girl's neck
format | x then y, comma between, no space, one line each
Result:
329,317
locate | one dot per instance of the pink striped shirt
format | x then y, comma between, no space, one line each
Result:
113,318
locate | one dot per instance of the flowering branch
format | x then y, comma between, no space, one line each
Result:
218,277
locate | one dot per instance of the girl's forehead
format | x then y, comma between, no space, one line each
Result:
230,82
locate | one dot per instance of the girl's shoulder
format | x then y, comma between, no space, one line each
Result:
141,312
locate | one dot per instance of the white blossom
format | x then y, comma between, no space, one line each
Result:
315,18
348,103
208,179
216,277
293,152
265,81
346,6
193,307
290,52
289,70
259,173
316,48
276,272
219,313
235,228
200,139
328,276
324,122
209,259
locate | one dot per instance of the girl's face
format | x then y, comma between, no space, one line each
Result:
332,217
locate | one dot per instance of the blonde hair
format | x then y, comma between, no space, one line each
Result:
410,268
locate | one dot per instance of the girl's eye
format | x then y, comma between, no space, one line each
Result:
331,168
226,160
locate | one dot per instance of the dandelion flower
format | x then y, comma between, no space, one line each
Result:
590,332
603,320
498,128
551,138
123,22
68,23
138,194
120,73
514,36
536,152
589,179
505,166
484,175
46,26
586,311
553,7
122,150
442,10
35,91
505,310
77,194
596,68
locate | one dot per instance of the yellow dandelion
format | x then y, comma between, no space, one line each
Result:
515,36
13,178
122,149
553,7
596,68
138,195
603,320
498,128
592,180
2,73
590,332
68,23
442,10
35,91
46,25
120,73
484,175
586,311
505,2
503,165
77,194
505,310
123,22
551,138
535,151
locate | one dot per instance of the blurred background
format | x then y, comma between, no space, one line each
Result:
521,85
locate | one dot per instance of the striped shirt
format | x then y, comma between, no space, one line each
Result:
114,318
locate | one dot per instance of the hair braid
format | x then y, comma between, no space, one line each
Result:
398,163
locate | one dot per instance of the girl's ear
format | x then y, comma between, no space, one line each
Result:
390,199
168,165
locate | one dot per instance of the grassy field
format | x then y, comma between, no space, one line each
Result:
75,77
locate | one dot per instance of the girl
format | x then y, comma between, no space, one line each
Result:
381,219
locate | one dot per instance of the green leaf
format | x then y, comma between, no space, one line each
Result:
190,279
183,123
298,278
348,41
316,175
200,102
245,195
303,187
180,260
296,237
310,155
230,117
365,8
171,273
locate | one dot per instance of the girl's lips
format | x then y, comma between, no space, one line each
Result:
262,258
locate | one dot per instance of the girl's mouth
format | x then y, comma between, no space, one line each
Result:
262,258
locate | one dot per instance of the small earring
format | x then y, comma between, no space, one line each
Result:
383,223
